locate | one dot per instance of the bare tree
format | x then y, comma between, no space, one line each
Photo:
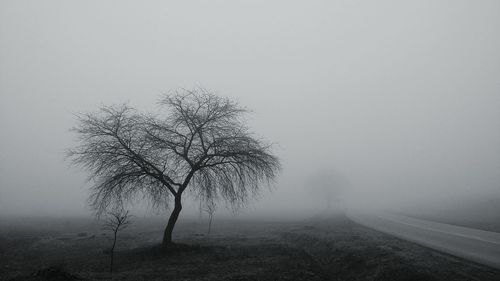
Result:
210,207
115,221
199,141
327,186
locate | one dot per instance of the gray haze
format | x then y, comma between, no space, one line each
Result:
402,98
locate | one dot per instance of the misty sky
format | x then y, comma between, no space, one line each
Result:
400,97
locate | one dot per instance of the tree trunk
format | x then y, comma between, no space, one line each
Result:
211,216
167,235
112,253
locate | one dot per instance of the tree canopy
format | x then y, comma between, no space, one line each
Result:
199,141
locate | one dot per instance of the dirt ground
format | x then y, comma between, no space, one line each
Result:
332,248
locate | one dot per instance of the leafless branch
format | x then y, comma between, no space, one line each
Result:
199,140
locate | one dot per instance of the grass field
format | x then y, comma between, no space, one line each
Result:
316,249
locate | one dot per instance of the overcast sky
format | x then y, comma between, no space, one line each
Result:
402,98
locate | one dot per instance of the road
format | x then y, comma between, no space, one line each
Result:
476,245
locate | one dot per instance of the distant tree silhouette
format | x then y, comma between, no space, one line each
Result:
115,221
210,208
327,186
199,141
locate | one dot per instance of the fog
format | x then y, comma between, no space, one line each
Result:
399,98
